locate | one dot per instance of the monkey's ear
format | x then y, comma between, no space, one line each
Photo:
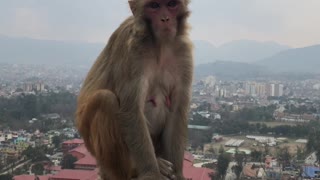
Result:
133,4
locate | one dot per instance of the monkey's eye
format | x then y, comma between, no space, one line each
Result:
172,4
154,5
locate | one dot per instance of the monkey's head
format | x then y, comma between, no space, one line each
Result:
163,19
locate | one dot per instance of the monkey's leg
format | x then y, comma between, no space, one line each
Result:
99,127
134,127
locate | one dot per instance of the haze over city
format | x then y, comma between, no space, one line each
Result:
288,22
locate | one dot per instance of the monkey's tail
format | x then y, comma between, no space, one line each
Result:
104,138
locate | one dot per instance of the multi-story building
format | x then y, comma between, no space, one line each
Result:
278,90
270,90
39,87
261,89
255,89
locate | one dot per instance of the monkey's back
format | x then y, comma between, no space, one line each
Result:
112,63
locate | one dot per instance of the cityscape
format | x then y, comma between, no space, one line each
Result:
259,128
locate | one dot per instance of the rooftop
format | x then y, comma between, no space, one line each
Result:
197,173
80,149
310,171
188,156
74,141
76,175
87,160
30,177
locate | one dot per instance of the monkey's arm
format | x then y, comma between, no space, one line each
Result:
175,134
175,138
134,128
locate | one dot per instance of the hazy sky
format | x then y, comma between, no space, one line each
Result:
292,22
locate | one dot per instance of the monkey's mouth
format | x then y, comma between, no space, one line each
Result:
167,30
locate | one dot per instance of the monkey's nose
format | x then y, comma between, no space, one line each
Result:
165,19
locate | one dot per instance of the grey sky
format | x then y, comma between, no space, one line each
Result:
292,22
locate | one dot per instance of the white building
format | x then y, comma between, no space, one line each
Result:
311,159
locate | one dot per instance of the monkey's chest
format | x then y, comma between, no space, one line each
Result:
159,104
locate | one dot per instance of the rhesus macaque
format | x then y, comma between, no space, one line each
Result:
133,106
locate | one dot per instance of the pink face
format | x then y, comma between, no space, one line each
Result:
162,15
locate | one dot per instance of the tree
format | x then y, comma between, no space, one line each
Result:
240,158
11,161
68,161
211,150
35,154
198,137
313,144
37,169
300,153
56,140
256,155
223,163
221,149
6,177
266,150
213,176
284,156
76,136
318,152
15,111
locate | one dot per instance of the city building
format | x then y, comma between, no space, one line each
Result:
278,90
310,172
270,90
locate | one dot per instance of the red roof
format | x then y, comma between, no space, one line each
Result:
188,156
74,141
87,160
189,171
76,175
187,164
194,173
80,149
197,173
30,177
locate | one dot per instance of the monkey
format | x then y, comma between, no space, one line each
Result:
132,108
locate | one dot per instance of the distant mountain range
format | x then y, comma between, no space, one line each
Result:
299,60
246,51
239,58
228,69
234,58
33,51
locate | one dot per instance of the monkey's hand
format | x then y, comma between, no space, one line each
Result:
152,176
166,168
179,177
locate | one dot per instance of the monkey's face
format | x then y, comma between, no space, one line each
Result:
162,17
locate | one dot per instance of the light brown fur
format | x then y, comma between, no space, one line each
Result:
129,135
